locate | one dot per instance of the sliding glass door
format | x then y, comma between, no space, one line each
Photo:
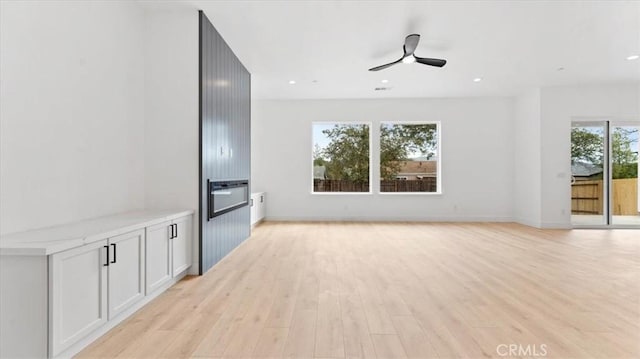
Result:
589,161
604,174
624,174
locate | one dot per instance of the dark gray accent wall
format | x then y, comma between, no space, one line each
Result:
225,140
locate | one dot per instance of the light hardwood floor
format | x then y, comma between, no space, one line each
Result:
395,290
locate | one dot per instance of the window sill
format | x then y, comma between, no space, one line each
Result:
381,193
341,193
411,193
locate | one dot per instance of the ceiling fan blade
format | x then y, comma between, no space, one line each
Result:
431,62
382,67
410,44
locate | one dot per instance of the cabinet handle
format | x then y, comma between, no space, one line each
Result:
261,199
114,252
106,263
176,236
251,202
171,231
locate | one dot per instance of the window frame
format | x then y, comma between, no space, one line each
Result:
438,158
368,123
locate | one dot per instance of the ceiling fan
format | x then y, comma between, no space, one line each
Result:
410,44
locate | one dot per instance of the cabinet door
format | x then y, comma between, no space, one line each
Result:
78,292
262,205
126,271
254,208
158,256
181,245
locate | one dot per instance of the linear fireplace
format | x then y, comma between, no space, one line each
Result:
226,196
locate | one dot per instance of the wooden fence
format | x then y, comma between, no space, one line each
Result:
424,185
625,197
339,186
587,197
428,184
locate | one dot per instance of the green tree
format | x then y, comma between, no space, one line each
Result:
348,153
586,146
397,142
318,160
624,157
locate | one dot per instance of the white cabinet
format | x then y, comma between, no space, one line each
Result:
262,205
78,292
94,283
254,208
158,256
258,207
64,287
126,271
181,245
168,251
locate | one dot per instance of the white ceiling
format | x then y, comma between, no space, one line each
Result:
511,45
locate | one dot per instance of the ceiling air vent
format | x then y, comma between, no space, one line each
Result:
382,88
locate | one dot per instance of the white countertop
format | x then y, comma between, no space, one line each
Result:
51,240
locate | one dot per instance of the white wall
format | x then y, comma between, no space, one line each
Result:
477,159
99,116
171,111
527,166
72,114
561,105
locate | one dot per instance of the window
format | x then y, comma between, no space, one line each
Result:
341,157
409,157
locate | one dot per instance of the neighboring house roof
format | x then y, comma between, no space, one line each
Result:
582,169
422,158
319,172
418,167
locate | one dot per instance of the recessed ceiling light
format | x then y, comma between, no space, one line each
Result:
477,79
384,81
292,82
633,57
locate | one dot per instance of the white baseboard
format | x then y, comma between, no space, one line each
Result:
527,222
556,225
523,221
389,219
253,225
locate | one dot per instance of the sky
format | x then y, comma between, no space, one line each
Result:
322,140
599,130
633,136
